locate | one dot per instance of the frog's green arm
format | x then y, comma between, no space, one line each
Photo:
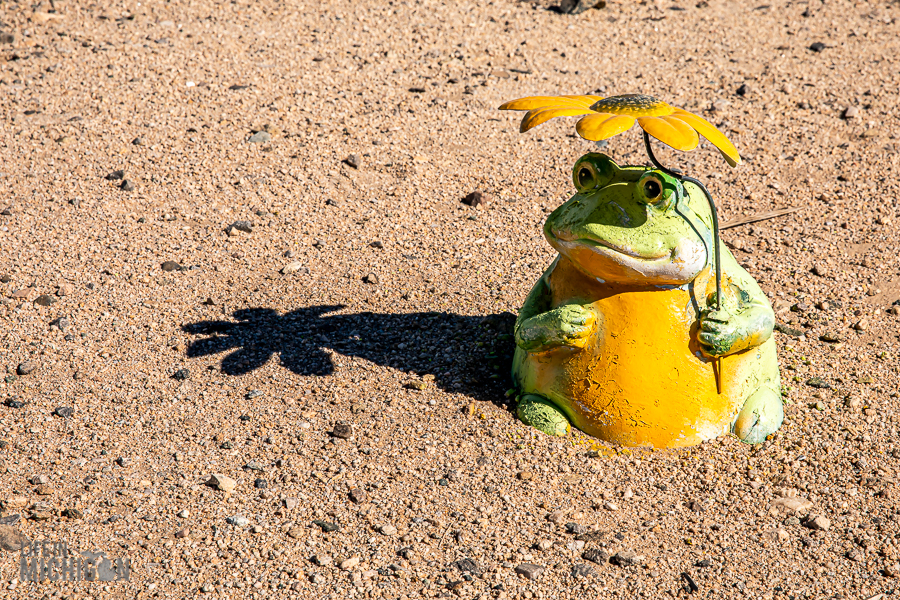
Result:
539,329
752,321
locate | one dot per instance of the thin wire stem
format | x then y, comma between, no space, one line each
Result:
712,208
717,363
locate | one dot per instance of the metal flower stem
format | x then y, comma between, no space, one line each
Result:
715,223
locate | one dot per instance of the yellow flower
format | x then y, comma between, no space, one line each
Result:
606,117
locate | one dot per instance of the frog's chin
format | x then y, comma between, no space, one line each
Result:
608,264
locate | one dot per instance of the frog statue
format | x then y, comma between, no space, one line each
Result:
624,337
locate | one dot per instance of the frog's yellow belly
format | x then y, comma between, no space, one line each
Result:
640,379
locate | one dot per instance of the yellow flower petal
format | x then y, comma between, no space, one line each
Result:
715,137
540,115
675,133
533,102
602,126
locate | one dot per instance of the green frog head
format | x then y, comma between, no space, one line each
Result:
631,225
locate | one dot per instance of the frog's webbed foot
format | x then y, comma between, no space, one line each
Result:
543,415
761,416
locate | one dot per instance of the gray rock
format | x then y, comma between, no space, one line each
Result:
342,431
245,226
581,570
530,571
254,466
626,558
171,265
353,161
127,185
371,278
238,521
11,539
44,300
7,37
575,528
27,367
39,480
327,526
358,495
596,555
260,137
123,462
181,375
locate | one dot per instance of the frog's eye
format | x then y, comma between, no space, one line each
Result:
593,171
652,190
585,177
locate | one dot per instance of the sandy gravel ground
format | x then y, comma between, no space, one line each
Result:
345,360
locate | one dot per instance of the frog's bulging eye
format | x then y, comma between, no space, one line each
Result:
586,178
652,190
593,171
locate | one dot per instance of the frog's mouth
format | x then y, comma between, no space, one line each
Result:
609,262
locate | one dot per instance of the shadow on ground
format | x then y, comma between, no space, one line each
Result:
466,354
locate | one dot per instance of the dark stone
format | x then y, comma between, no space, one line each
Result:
7,37
591,536
181,374
467,565
171,265
226,446
260,484
26,368
138,141
244,418
475,199
116,176
353,161
817,46
358,495
326,526
782,328
596,555
342,431
818,383
62,323
575,528
237,87
44,300
743,90
704,563
122,461
12,403
245,226
73,513
127,185
64,411
626,558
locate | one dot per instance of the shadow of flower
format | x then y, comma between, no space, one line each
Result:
466,354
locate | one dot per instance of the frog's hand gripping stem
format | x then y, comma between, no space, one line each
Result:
717,364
